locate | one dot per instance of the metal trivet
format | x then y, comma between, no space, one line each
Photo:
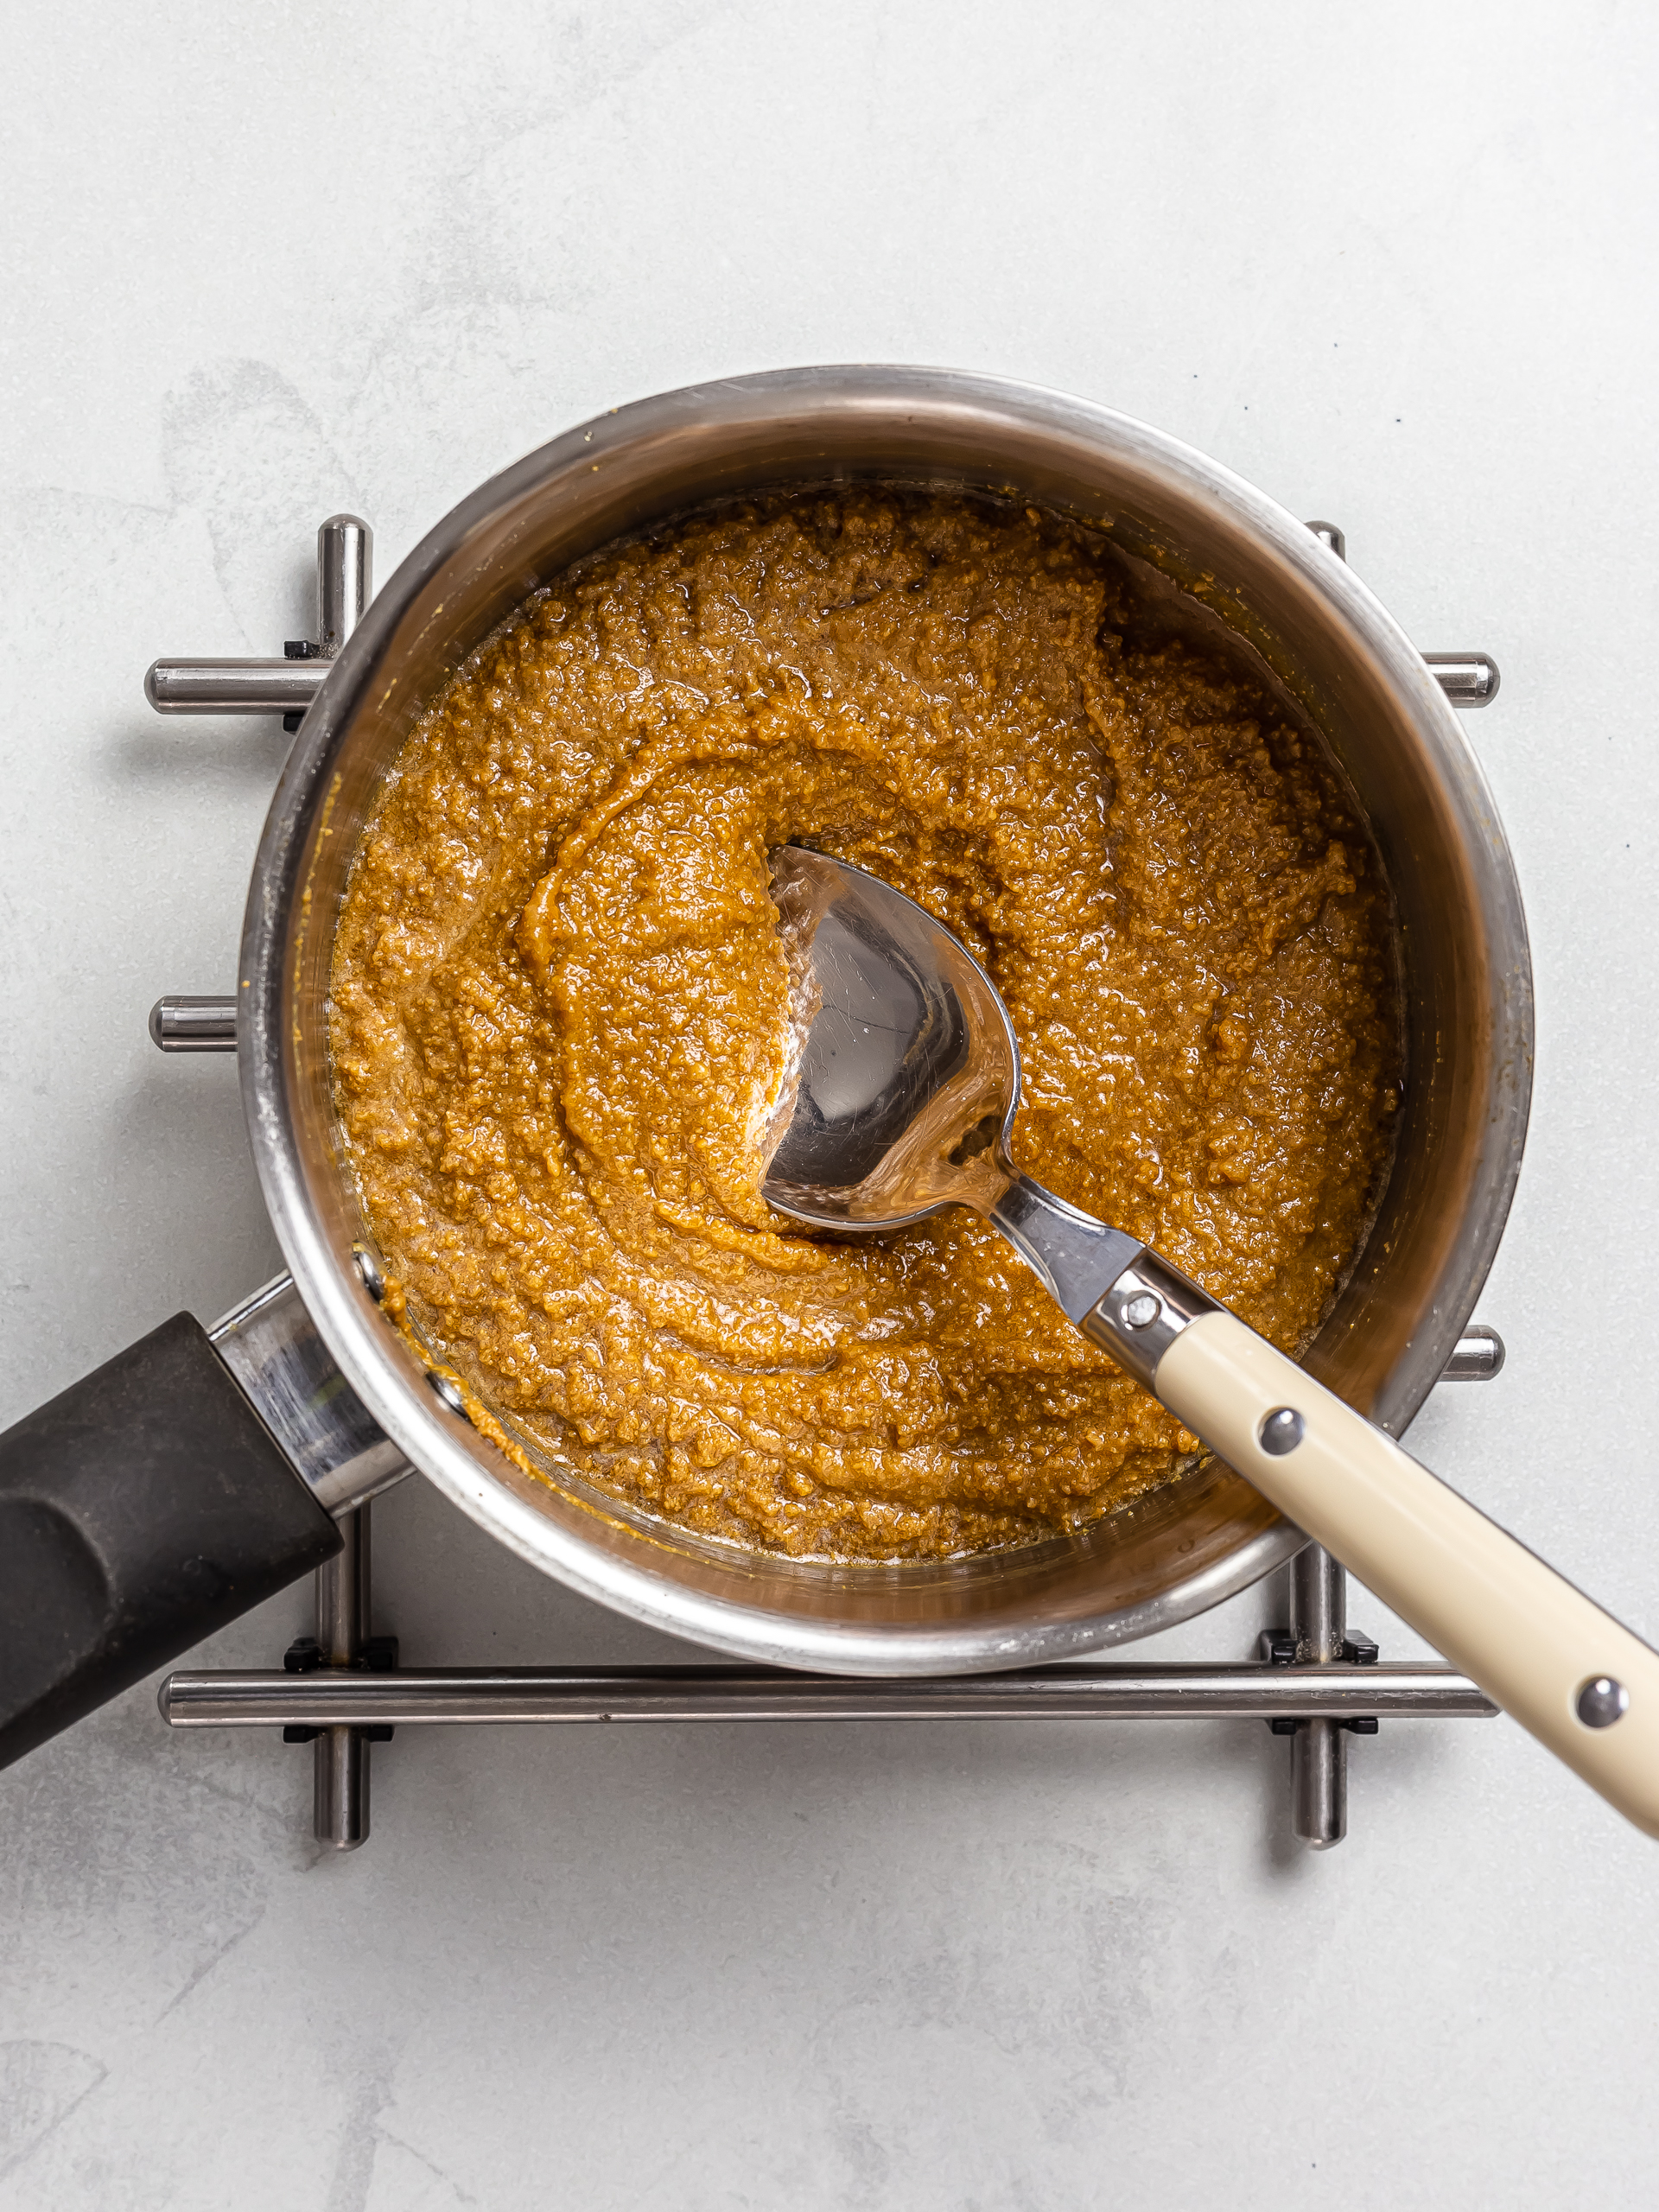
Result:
1315,1681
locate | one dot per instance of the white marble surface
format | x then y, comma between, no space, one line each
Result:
261,262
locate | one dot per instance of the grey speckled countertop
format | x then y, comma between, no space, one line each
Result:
261,264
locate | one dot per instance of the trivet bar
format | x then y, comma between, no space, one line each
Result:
340,1781
1478,1357
234,687
285,687
1467,679
281,686
1319,1749
193,1025
329,1698
259,685
341,1690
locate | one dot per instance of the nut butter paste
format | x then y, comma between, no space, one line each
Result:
560,998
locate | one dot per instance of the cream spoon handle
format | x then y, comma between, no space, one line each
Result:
1579,1680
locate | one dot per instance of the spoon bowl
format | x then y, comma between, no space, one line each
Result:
902,1047
904,1081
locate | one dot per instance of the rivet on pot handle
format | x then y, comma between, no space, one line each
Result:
1579,1680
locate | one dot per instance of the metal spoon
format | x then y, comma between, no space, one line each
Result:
901,1102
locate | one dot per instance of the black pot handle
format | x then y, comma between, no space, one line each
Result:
141,1509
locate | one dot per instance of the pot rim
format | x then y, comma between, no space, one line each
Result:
481,1480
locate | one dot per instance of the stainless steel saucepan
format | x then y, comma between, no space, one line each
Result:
157,1498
